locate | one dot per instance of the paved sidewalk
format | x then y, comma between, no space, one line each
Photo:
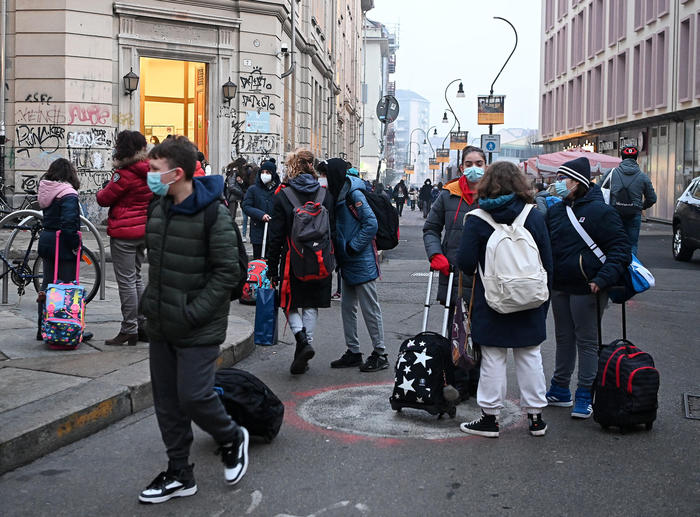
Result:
49,398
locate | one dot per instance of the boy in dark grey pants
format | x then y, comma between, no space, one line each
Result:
192,270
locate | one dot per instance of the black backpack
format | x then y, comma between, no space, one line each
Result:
387,237
250,402
622,199
211,212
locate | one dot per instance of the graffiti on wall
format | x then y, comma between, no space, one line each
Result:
255,82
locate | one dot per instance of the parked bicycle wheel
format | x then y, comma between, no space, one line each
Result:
90,273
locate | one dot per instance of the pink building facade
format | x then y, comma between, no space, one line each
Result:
619,72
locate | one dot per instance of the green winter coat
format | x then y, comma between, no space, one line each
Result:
186,301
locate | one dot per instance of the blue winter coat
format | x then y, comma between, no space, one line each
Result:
491,328
575,265
355,232
61,212
258,201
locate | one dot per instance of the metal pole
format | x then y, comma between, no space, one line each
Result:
3,51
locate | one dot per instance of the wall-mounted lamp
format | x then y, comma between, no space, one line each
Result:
131,82
229,90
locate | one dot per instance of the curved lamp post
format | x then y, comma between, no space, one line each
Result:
501,70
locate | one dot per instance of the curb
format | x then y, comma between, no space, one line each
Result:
43,426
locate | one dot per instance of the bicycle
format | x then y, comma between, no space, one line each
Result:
30,201
22,274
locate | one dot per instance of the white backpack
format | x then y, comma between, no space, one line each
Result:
514,278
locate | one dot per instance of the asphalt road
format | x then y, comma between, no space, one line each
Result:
343,452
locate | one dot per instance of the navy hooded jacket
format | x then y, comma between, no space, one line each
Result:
575,265
258,201
491,328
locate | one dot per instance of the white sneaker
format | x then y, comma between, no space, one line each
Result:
235,458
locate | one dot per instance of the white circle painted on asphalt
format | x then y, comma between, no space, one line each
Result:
365,410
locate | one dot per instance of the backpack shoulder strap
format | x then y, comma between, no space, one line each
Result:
522,216
320,195
211,214
584,235
608,180
484,215
292,197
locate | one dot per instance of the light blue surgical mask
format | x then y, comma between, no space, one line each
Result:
153,180
474,173
560,187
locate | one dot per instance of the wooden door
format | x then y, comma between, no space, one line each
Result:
200,109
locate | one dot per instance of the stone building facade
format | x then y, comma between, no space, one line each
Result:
65,92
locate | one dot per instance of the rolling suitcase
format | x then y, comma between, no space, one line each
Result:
265,332
627,383
424,367
64,309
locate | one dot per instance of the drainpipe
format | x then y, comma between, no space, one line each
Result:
292,66
3,43
294,37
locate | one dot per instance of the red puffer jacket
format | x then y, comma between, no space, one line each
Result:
127,195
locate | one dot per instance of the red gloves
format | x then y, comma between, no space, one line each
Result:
440,263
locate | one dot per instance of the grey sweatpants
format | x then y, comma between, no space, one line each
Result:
366,296
183,391
576,332
127,257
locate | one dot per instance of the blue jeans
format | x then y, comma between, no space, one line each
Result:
632,225
244,230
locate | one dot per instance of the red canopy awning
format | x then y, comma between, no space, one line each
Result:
547,164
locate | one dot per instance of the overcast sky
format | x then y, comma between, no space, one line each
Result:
441,40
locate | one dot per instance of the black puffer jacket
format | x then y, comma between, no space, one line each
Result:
575,265
187,298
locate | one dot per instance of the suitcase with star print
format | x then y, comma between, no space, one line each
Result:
422,370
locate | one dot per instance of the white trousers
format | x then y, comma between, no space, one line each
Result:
307,319
493,381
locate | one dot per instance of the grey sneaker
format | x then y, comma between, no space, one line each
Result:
375,362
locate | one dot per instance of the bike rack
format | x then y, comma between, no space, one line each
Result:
28,215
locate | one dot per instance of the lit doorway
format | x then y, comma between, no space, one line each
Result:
174,100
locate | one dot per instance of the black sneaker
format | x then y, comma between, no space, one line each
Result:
487,426
169,484
375,362
538,427
348,360
235,458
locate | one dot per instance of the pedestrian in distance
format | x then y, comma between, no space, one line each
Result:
579,277
300,298
233,193
356,227
400,196
243,181
58,200
442,234
631,191
127,195
193,266
413,197
258,203
503,194
425,197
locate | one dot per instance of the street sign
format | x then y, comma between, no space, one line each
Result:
442,155
490,109
491,143
433,164
387,109
409,169
458,140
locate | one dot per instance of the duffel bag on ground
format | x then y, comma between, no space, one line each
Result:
250,402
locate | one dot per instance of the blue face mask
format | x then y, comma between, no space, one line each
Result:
474,173
560,187
153,180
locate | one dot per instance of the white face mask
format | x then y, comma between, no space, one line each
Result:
265,178
323,181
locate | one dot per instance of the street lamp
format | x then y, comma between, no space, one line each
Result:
501,70
460,91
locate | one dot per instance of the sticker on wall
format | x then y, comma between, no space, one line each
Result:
257,122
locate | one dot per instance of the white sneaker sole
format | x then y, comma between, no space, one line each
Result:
181,493
487,434
582,415
239,476
560,403
541,432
